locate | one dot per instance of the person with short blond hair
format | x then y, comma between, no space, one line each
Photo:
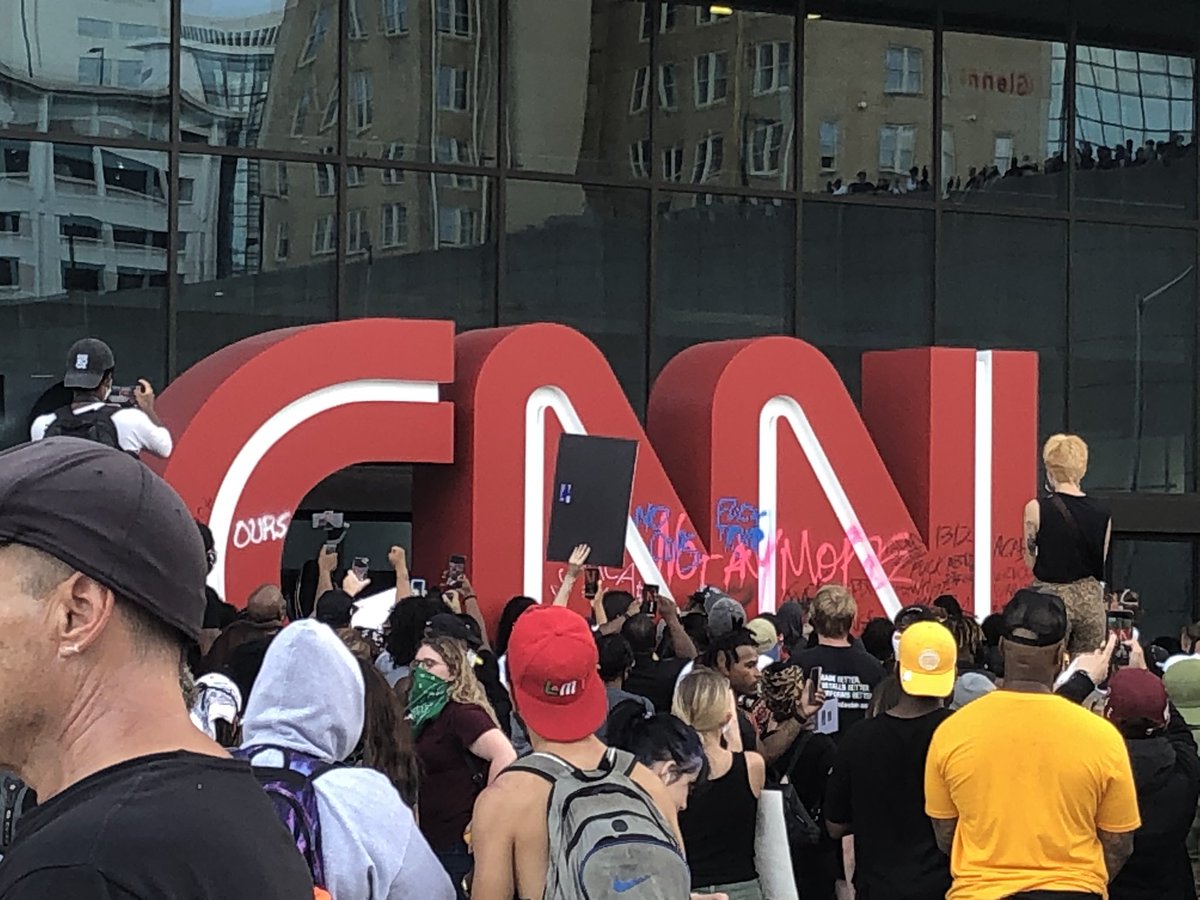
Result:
833,611
1067,535
848,672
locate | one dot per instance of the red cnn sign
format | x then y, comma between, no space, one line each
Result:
756,472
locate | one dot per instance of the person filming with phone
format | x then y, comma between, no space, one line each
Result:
131,425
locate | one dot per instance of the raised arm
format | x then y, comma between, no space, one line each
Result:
574,566
680,642
399,561
327,561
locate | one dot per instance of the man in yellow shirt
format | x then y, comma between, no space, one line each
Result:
1030,794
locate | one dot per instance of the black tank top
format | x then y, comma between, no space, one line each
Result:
1066,552
718,828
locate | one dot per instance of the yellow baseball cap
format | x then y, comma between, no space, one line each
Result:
928,654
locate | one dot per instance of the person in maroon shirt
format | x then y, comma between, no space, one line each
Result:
460,746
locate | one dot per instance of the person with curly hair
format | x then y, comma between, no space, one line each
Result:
460,746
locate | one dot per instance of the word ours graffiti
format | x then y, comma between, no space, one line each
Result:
262,529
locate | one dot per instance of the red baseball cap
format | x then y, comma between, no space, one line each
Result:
1136,694
552,667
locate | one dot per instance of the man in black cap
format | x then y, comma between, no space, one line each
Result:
89,374
101,586
1031,795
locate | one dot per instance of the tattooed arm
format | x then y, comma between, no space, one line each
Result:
1033,521
1117,849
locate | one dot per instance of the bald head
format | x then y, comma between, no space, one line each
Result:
265,605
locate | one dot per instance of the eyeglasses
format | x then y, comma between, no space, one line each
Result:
427,664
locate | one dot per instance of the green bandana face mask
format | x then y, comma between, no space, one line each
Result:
427,698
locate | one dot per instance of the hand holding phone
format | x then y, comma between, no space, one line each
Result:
650,599
361,566
418,586
812,686
591,582
1120,625
456,568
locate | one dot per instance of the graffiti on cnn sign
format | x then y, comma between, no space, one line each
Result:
262,529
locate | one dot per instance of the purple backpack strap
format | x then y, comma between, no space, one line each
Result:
290,788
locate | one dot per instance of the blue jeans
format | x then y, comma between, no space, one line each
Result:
458,862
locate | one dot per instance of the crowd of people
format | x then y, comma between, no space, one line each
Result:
163,743
1088,157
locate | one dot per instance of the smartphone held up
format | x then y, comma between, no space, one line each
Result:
650,599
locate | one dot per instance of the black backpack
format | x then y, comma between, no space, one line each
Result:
91,425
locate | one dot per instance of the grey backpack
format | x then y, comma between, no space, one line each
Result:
608,841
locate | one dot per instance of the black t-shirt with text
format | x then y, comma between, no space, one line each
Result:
171,825
877,787
848,674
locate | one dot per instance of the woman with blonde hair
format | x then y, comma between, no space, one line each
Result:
1067,535
718,825
459,744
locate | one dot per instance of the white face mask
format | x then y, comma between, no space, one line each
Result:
896,644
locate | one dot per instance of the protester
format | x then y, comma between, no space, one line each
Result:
1166,772
521,844
387,744
403,635
1067,535
262,619
102,580
616,661
217,708
970,686
718,826
735,656
1182,683
968,636
465,629
877,640
1028,791
766,640
334,608
876,791
848,673
651,677
93,417
664,744
793,626
512,611
460,746
306,715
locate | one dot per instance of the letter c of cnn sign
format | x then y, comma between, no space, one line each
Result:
755,472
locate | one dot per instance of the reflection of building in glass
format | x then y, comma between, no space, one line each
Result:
436,60
1125,95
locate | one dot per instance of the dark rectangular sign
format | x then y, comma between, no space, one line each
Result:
593,483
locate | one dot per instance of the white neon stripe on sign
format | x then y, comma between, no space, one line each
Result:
787,409
270,432
555,400
984,402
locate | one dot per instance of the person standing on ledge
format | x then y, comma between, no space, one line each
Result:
91,415
1067,535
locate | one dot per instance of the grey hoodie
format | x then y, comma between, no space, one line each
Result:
309,697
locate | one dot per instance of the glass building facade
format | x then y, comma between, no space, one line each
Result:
178,174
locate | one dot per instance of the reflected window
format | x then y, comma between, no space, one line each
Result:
10,274
355,176
362,99
74,162
358,235
666,19
639,99
672,163
393,228
905,70
453,89
283,241
454,17
766,146
666,86
10,223
14,158
324,235
321,20
773,67
457,226
710,154
97,28
282,184
395,16
393,151
91,70
128,174
329,119
639,158
829,146
712,78
897,148
706,16
324,173
129,73
356,26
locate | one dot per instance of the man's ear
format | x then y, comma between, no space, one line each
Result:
85,609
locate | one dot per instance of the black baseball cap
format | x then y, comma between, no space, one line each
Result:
87,361
1035,619
449,625
107,515
335,609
